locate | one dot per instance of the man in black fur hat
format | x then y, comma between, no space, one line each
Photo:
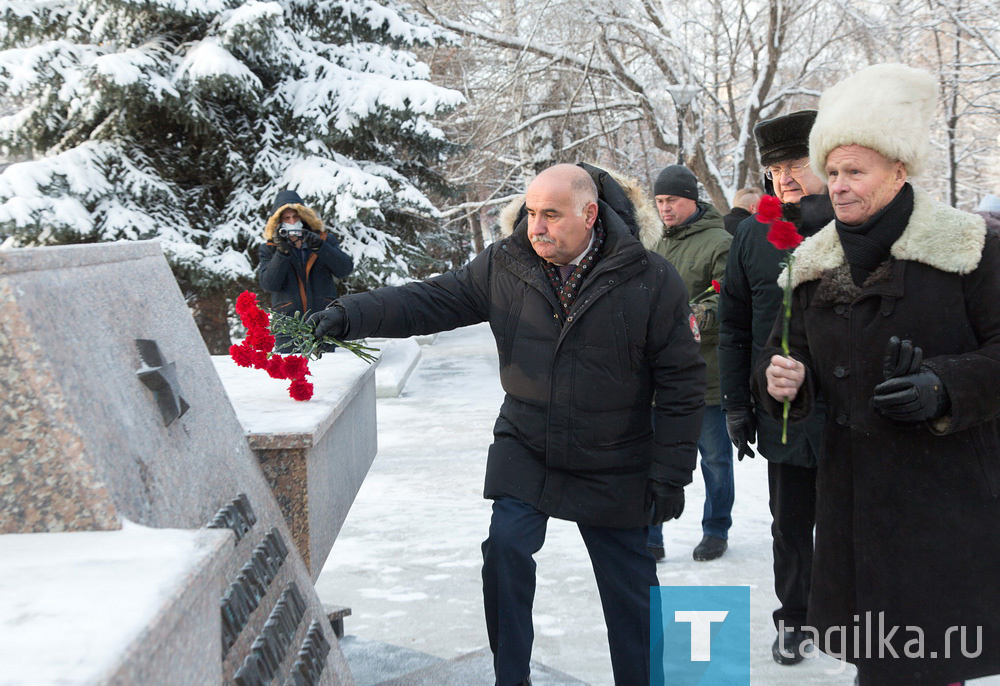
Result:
749,303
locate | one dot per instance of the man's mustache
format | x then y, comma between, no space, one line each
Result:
541,239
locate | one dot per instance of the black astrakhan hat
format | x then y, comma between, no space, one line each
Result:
784,138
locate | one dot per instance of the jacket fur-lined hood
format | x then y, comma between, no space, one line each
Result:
936,235
307,215
650,226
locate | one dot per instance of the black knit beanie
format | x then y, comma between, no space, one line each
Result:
676,180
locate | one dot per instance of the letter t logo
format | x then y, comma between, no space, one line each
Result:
701,630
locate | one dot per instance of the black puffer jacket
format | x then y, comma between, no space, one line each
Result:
574,437
749,304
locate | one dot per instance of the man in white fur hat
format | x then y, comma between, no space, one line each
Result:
895,319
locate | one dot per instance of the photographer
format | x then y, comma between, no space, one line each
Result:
300,260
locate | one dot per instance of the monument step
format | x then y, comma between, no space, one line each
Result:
397,360
380,664
374,662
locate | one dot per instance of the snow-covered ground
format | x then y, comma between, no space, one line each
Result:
407,560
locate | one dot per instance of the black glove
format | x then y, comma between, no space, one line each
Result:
312,240
664,501
901,358
741,425
281,244
912,397
329,322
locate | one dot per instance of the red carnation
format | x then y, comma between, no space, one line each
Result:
716,286
296,367
241,355
259,359
276,367
255,319
783,235
768,209
246,302
260,339
300,389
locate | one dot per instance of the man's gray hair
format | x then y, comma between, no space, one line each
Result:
584,190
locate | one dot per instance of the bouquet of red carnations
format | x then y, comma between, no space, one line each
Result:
257,349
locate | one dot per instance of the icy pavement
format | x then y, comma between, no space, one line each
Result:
407,560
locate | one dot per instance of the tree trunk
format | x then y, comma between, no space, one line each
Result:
476,229
210,310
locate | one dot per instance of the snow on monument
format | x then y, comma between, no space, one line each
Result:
118,434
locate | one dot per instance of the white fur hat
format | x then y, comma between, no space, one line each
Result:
886,107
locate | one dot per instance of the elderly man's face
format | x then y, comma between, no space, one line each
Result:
861,182
674,210
557,228
794,179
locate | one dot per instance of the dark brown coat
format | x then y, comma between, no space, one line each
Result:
908,516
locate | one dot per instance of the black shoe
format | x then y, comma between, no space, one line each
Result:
710,548
787,648
658,552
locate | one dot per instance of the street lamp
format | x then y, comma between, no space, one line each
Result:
683,95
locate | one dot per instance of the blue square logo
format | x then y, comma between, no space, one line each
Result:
699,635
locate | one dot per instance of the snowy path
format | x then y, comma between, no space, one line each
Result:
407,560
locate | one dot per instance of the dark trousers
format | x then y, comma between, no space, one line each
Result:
793,513
624,570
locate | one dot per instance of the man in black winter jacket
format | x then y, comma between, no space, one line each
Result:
590,328
749,303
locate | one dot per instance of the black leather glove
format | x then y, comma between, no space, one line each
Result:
329,322
741,424
912,397
312,240
281,243
901,358
664,501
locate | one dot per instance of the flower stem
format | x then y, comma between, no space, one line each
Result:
784,342
303,342
362,351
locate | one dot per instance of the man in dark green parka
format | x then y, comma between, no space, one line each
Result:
696,242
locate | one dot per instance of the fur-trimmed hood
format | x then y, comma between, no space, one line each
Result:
936,235
307,215
650,226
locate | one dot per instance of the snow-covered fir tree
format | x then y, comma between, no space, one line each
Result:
181,120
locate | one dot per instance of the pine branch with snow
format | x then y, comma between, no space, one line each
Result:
180,120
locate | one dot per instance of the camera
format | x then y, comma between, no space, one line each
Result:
290,233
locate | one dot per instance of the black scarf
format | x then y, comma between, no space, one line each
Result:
567,290
867,245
